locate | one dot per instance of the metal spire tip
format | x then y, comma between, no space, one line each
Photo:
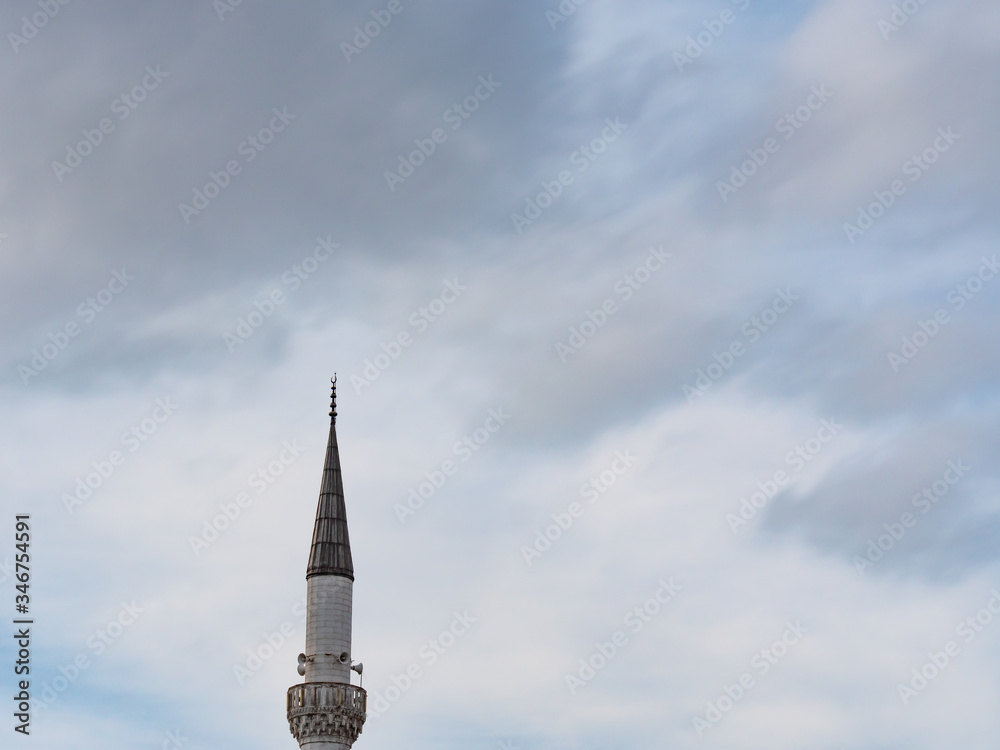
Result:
333,397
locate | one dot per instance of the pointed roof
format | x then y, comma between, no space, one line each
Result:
331,546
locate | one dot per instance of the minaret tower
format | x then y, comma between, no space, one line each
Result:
326,712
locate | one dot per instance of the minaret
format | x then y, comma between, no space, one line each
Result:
326,712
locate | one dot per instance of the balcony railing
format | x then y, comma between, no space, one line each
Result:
310,696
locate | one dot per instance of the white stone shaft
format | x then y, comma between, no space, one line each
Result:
323,744
328,628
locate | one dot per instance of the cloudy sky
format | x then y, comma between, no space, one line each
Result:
666,338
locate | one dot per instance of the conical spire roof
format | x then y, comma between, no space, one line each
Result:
331,546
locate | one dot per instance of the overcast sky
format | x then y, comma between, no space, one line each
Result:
690,307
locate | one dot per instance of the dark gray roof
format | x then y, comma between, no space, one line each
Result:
331,546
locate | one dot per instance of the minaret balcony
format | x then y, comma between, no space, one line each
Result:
332,710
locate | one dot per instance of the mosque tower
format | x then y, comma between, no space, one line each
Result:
326,712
